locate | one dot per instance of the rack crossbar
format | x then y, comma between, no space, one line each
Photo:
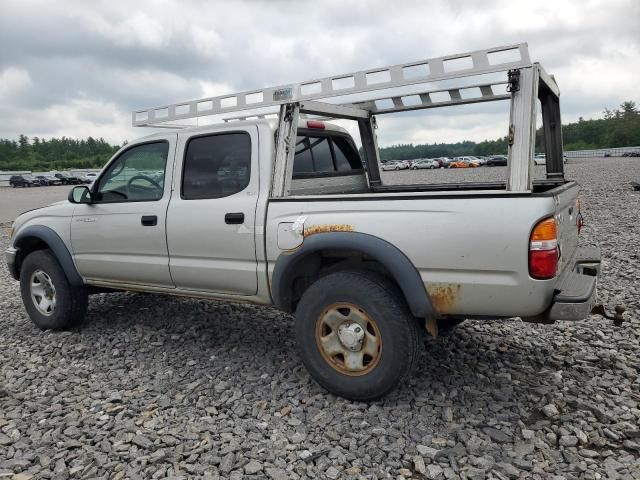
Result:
478,62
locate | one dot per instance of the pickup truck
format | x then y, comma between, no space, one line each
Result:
284,212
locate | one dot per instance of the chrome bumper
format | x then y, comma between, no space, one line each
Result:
577,289
10,256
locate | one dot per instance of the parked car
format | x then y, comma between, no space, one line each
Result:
464,162
23,181
497,161
425,163
539,159
445,162
68,179
88,178
38,181
393,165
49,180
479,160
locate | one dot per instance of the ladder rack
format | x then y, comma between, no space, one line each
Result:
526,83
479,62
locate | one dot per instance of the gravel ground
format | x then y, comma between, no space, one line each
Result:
156,387
14,201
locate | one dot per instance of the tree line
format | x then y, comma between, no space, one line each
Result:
619,127
54,154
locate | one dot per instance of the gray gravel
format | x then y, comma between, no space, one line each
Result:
14,201
157,387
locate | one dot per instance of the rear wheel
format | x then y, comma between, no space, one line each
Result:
50,300
356,335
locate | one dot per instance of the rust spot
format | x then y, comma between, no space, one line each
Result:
443,296
329,227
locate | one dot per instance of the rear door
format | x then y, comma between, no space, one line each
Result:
121,236
212,215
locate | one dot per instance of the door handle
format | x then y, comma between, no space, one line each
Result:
234,218
149,220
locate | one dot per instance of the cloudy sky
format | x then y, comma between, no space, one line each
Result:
79,68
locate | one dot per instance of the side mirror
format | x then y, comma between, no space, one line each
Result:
80,194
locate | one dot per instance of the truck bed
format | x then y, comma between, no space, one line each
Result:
470,248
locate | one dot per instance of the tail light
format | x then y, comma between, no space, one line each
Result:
315,124
543,250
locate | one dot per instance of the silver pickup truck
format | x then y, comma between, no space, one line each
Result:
287,212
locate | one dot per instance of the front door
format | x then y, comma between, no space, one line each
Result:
212,214
120,237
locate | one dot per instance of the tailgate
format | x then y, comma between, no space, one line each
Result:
566,215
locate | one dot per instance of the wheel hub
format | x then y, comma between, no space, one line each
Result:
43,292
349,340
351,335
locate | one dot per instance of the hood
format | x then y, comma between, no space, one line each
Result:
58,209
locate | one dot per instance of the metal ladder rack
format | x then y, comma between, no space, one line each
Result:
526,82
478,62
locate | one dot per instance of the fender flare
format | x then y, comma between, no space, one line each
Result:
393,259
55,244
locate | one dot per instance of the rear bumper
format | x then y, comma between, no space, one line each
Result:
577,289
10,256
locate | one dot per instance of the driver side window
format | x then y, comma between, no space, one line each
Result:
136,176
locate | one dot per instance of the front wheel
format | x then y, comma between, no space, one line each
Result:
355,334
50,300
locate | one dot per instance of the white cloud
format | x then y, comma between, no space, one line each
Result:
13,81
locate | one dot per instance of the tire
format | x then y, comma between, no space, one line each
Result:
70,301
343,297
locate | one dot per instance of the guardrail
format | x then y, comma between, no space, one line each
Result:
601,152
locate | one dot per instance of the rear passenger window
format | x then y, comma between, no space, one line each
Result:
347,157
216,166
319,156
303,162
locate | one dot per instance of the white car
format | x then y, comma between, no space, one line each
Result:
539,159
425,163
391,166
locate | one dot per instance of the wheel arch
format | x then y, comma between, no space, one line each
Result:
293,265
39,237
